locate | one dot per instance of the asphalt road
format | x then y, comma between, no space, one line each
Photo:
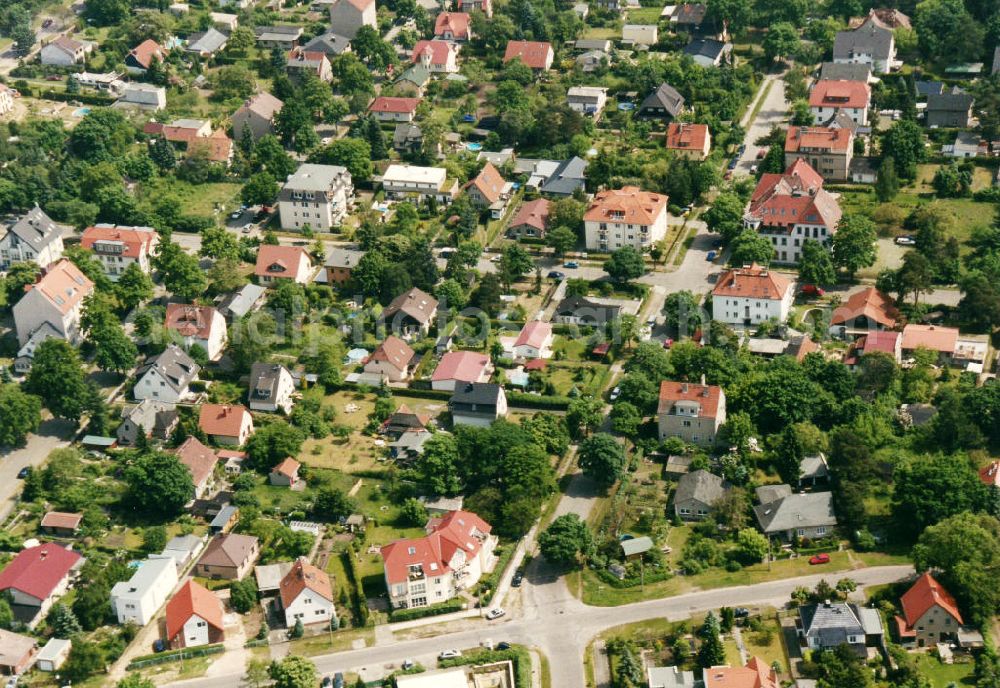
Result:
52,434
562,626
773,113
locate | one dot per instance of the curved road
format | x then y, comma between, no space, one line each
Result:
561,626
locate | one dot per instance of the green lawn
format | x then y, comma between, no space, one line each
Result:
765,644
941,675
195,200
644,15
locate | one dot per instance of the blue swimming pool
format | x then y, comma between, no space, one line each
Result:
81,112
474,147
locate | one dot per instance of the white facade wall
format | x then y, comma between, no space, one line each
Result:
153,386
13,250
824,114
33,310
195,632
609,236
138,599
737,310
310,608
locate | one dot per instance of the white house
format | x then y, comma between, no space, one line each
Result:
166,377
405,182
117,246
194,617
65,52
316,195
828,98
455,553
37,576
54,300
306,595
139,598
201,326
625,217
277,263
477,403
534,340
437,56
30,238
752,295
271,387
587,100
639,34
143,96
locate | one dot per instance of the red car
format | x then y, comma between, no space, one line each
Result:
812,290
823,558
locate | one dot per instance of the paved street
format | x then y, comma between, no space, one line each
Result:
773,113
52,434
562,629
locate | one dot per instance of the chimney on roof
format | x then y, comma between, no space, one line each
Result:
684,387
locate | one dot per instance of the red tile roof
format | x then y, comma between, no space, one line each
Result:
756,674
707,396
457,530
456,23
145,52
533,214
222,419
818,138
923,595
753,282
193,599
687,136
534,54
304,575
536,364
990,474
488,182
38,571
61,520
628,204
942,339
199,459
64,286
137,241
219,146
288,468
870,303
280,261
189,320
464,366
534,334
397,105
840,94
439,50
795,197
395,351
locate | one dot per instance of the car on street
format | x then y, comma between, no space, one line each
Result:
503,645
753,169
236,214
711,255
449,654
822,558
906,241
516,580
572,264
555,274
495,613
761,152
23,473
812,290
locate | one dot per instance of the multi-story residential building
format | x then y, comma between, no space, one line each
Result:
30,238
55,302
316,195
201,461
410,313
277,263
116,247
65,52
477,403
392,360
625,217
139,598
689,140
791,208
340,264
194,617
535,54
752,295
488,190
828,98
271,388
690,411
455,553
258,115
306,595
828,150
302,63
228,424
201,326
436,56
872,43
348,16
949,109
484,6
409,182
166,376
391,109
587,100
930,614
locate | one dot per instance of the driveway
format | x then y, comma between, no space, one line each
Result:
52,434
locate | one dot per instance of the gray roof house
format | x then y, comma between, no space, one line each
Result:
664,102
566,179
206,43
585,44
845,71
966,145
708,52
407,137
579,310
813,470
696,494
671,677
271,387
149,417
477,403
248,298
330,43
949,109
870,44
828,625
788,516
31,237
166,376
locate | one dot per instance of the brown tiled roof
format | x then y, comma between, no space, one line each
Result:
634,205
222,419
304,575
61,520
754,282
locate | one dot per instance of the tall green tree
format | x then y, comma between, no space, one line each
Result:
625,264
57,378
602,458
816,265
711,652
566,538
886,181
20,414
133,287
854,244
159,484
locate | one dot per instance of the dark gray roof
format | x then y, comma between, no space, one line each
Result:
208,41
956,101
869,38
264,378
706,47
700,485
587,309
283,29
150,415
406,133
772,493
830,623
330,43
344,258
796,511
926,88
222,518
813,467
175,366
665,96
567,178
36,229
243,301
845,72
585,44
478,393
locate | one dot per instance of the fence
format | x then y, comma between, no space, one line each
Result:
174,656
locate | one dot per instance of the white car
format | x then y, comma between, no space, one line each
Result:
449,654
906,241
495,613
247,227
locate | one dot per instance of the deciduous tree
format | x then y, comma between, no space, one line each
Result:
564,540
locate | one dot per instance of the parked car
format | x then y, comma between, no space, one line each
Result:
247,227
408,664
555,274
495,613
615,393
53,77
236,214
741,612
496,258
812,290
571,264
449,654
516,580
23,473
822,558
338,680
503,645
159,645
711,255
47,23
906,241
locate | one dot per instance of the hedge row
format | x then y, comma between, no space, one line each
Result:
518,656
358,601
63,97
653,576
455,604
171,655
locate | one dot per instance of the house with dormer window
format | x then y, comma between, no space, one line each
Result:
277,263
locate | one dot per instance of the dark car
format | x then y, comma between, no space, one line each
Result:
503,646
327,682
24,472
555,274
159,645
516,580
741,612
47,23
338,680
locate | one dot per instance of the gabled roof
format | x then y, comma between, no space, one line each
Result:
439,51
415,304
628,204
708,48
687,136
942,339
395,351
701,486
844,94
923,595
708,397
534,334
396,105
478,394
831,623
137,241
193,599
455,23
756,674
845,71
464,366
222,419
954,101
36,229
198,458
432,554
63,286
330,43
689,14
869,38
61,520
289,468
14,647
302,576
807,510
190,320
280,261
265,379
870,303
534,54
263,105
210,41
795,197
230,549
753,282
566,178
534,214
174,366
818,138
38,571
488,182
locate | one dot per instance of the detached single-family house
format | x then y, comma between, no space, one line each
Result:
488,190
348,16
138,599
143,55
828,625
282,37
330,44
411,313
65,52
453,26
194,617
592,60
436,56
226,424
407,137
201,461
865,310
17,653
116,247
930,614
663,103
790,515
752,295
696,494
277,263
537,55
53,302
562,180
316,195
340,264
182,550
531,220
534,340
166,377
61,523
477,403
967,145
689,140
302,63
271,388
623,217
224,21
142,96
829,98
414,183
643,35
951,109
206,43
689,17
228,556
286,473
579,310
37,576
690,411
671,677
884,341
256,114
247,299
708,52
51,657
390,109
943,340
392,360
456,368
587,100
404,420
30,238
756,674
871,43
456,551
201,326
306,595
192,135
